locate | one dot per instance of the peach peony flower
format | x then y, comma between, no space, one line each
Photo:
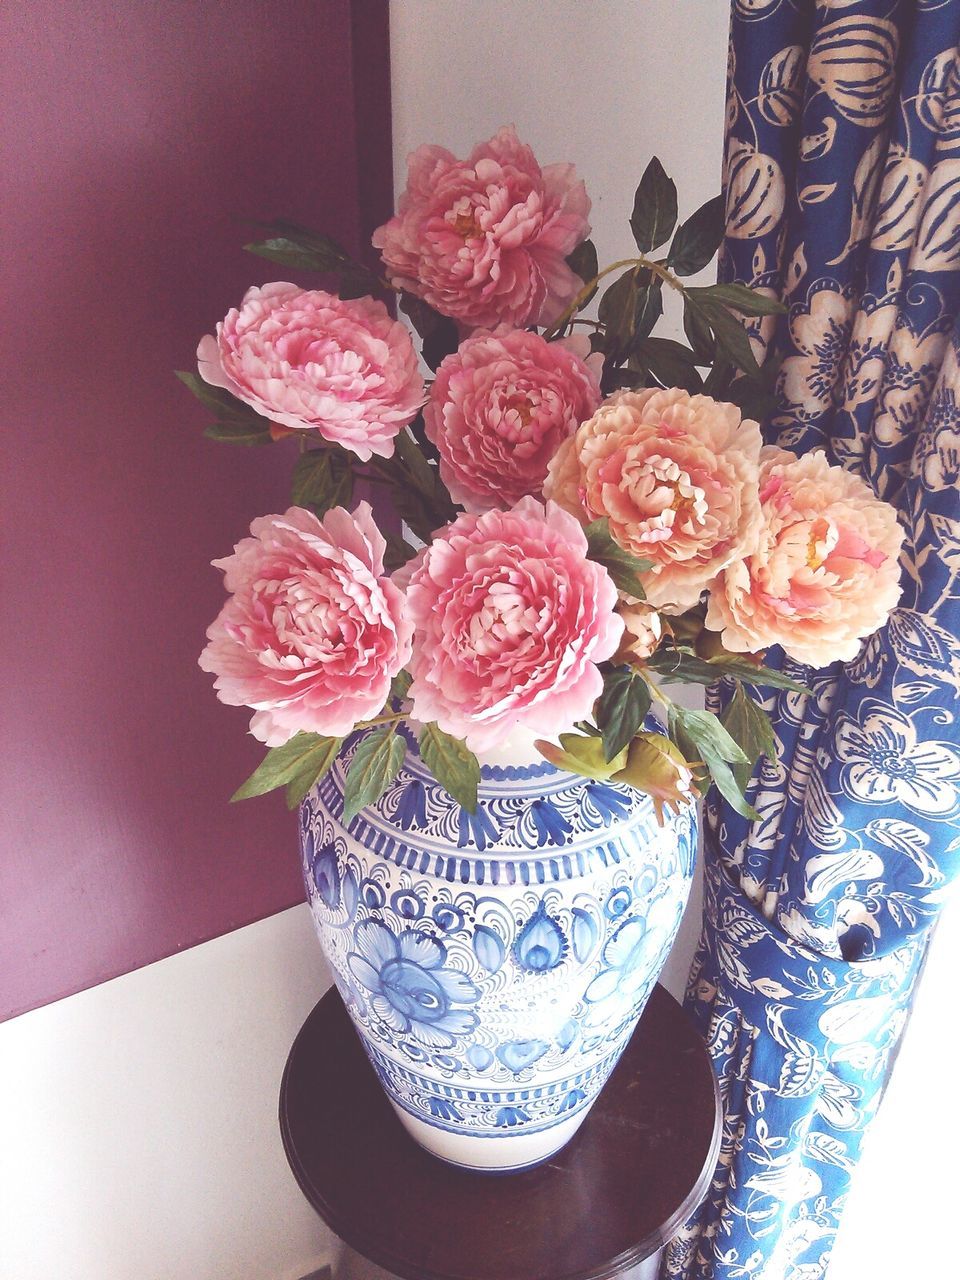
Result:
312,361
643,631
825,572
511,619
313,632
485,240
676,475
499,409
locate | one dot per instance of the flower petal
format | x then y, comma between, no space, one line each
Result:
376,943
421,949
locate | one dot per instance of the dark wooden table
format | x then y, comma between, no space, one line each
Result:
611,1198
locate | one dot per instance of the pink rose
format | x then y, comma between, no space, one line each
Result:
824,574
511,619
313,632
484,240
499,409
676,475
312,361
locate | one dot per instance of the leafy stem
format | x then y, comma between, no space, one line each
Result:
647,264
655,687
393,717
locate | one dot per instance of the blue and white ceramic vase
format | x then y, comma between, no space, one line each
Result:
495,964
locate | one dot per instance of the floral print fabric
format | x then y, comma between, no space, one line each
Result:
842,177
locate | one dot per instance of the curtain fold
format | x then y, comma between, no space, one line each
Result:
842,177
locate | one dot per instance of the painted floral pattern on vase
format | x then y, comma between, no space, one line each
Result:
495,964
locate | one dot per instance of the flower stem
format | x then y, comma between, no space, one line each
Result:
392,718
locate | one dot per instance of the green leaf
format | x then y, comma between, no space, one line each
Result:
671,363
617,311
621,709
584,263
701,736
698,334
423,475
413,510
654,208
375,764
679,663
216,398
752,398
581,754
738,296
236,422
312,772
399,552
400,685
697,239
438,333
616,378
731,781
749,726
649,305
419,493
322,478
234,433
757,397
293,760
452,763
750,673
622,566
731,336
291,253
294,246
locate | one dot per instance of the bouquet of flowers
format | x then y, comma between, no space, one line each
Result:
588,510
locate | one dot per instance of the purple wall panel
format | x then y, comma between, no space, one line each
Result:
133,137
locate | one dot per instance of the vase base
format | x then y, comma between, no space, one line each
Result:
494,1153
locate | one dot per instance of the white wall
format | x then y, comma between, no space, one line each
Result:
138,1131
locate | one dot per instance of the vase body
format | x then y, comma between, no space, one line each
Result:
494,964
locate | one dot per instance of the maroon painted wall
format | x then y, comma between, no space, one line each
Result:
133,137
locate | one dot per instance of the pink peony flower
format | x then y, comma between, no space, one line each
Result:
676,475
511,619
312,361
824,574
499,409
313,632
484,240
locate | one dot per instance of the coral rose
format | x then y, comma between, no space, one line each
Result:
312,361
499,409
485,240
825,572
676,476
313,632
511,620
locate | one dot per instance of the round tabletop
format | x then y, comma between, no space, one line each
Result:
612,1197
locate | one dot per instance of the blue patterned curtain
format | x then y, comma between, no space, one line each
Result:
842,174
